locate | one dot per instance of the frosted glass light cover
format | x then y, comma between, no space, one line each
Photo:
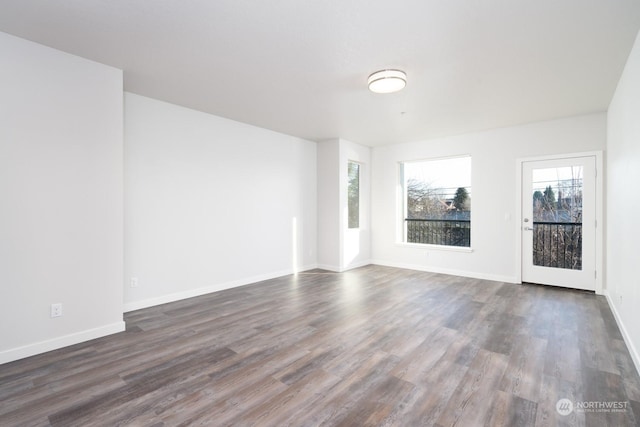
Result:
387,81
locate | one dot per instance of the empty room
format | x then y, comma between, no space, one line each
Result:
337,213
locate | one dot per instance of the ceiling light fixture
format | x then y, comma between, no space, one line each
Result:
387,81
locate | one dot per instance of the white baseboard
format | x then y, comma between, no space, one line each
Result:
338,269
190,293
357,265
462,273
59,342
635,356
306,268
177,296
333,268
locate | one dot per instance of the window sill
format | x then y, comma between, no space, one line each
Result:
434,247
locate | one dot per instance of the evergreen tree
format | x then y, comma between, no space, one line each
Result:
538,196
549,197
461,199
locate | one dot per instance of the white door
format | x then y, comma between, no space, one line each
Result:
559,222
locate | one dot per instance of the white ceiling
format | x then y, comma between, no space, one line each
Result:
300,67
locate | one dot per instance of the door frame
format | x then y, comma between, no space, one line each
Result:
599,206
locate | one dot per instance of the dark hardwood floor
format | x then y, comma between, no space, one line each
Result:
373,346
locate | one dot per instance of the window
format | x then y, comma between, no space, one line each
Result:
353,192
437,201
557,216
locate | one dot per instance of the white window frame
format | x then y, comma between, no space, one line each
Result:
401,203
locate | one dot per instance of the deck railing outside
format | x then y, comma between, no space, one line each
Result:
557,244
447,232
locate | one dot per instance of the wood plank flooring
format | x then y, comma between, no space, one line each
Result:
372,346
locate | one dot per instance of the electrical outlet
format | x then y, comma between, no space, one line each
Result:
56,310
134,282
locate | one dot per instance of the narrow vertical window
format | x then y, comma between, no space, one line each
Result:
353,190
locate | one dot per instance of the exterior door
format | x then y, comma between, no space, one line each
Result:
559,222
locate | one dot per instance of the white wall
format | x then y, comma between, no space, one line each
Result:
623,202
211,203
355,243
329,178
494,154
61,203
341,248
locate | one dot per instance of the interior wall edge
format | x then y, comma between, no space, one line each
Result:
633,351
190,293
37,348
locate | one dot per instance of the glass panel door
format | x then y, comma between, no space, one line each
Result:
558,229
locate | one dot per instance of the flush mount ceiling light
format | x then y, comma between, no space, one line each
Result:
387,81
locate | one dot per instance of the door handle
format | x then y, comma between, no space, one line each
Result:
528,229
